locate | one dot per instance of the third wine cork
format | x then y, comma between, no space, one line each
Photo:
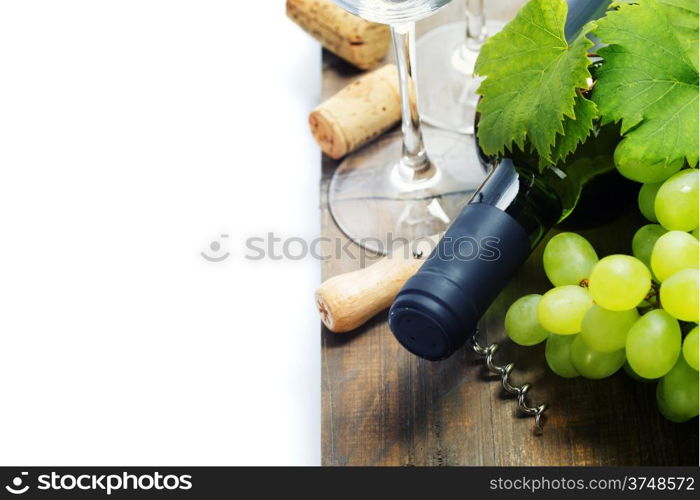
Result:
347,301
361,43
358,113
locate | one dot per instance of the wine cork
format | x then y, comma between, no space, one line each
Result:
366,108
348,300
361,43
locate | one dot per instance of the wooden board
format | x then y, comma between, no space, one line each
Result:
383,406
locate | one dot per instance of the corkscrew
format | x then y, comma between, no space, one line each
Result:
348,300
504,371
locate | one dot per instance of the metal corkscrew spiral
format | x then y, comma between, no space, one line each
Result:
504,372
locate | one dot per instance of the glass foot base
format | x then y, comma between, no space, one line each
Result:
378,207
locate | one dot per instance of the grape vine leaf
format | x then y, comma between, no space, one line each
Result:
575,130
649,81
683,16
531,90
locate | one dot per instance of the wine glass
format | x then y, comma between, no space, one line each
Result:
447,57
392,191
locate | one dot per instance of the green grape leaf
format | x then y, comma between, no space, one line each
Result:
575,130
649,81
683,16
533,76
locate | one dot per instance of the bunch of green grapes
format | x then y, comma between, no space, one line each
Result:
626,310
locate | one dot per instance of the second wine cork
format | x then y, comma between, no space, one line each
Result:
366,108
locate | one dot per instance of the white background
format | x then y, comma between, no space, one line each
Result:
132,134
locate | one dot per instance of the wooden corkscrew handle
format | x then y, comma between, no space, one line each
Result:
347,301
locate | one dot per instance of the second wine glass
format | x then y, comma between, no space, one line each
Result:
410,185
447,55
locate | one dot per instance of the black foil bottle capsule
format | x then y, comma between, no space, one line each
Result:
438,308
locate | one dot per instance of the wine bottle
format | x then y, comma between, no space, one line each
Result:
437,310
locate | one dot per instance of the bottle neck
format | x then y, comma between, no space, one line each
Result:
581,12
528,198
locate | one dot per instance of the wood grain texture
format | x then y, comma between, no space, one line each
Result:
383,406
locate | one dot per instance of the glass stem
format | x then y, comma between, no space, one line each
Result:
464,56
476,24
414,157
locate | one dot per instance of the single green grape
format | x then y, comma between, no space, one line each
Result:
646,198
561,310
568,259
644,240
634,375
606,331
619,282
676,204
690,348
677,393
595,364
641,171
557,352
680,295
653,344
521,321
673,252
